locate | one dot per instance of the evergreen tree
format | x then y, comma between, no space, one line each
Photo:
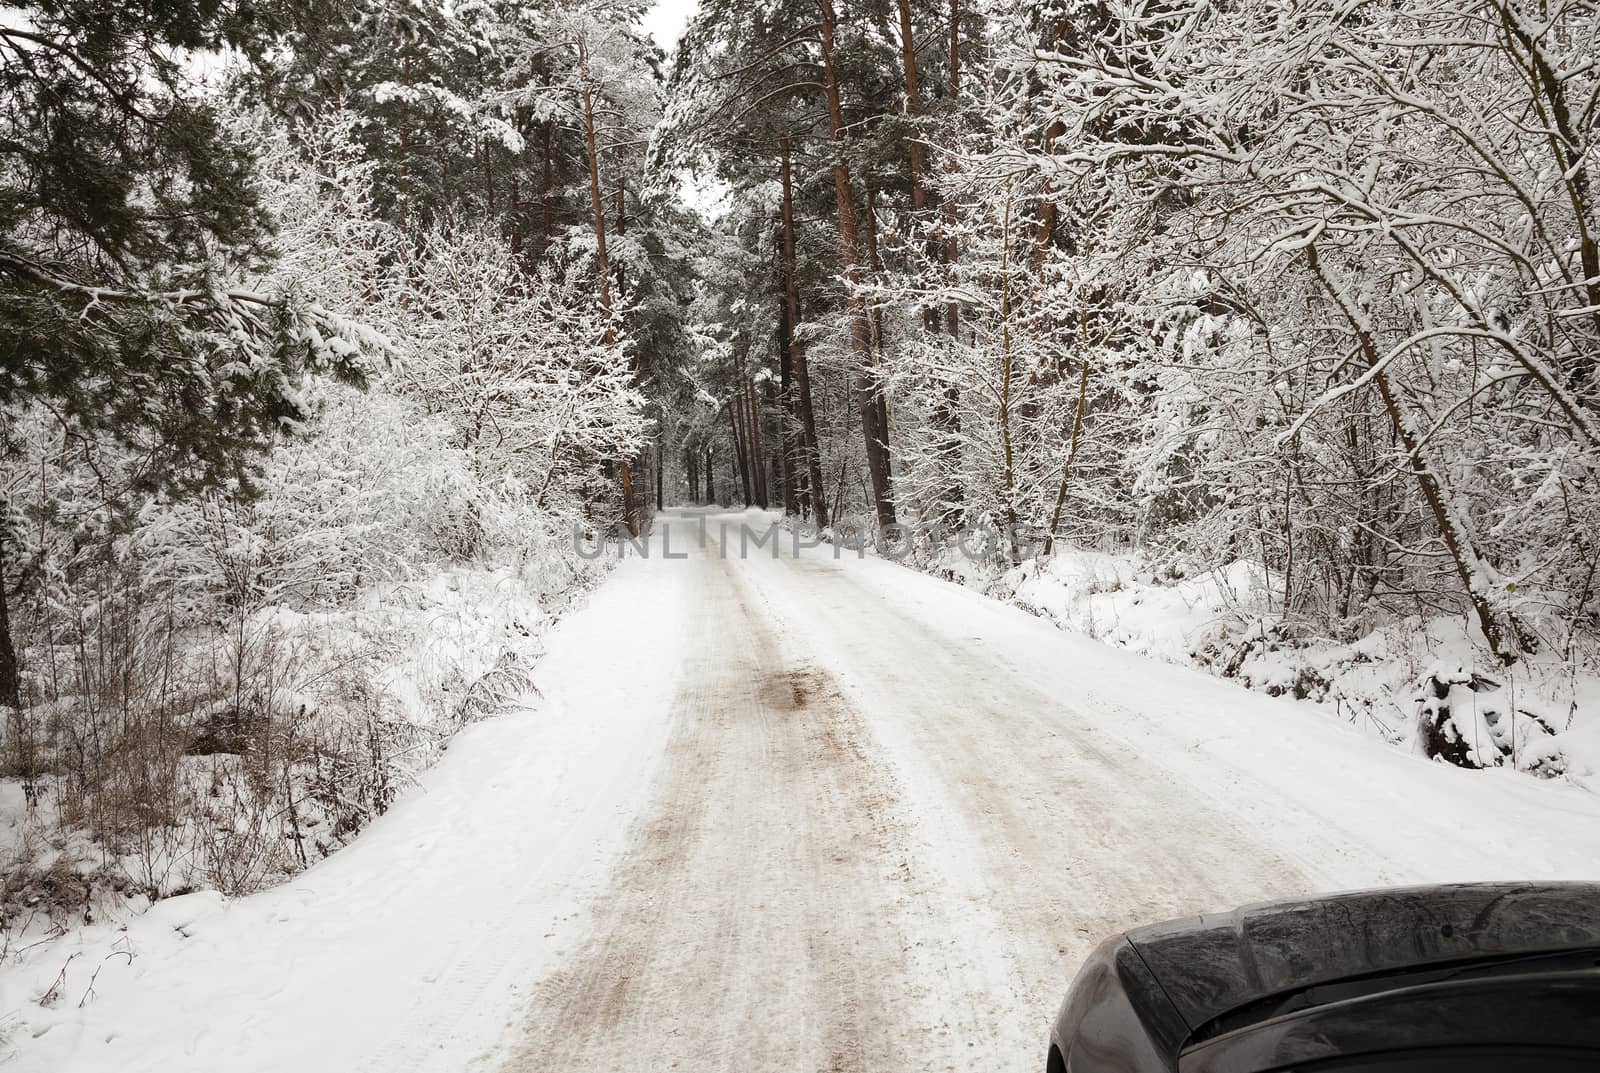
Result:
130,229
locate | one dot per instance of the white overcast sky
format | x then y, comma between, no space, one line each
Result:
666,21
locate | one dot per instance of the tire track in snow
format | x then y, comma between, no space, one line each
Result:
755,918
1038,818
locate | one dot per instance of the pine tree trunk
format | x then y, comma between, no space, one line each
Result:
747,428
952,245
549,193
751,426
870,226
602,266
660,470
1006,366
802,377
919,190
625,485
790,473
735,420
774,476
908,59
757,450
762,439
10,669
867,387
622,229
947,411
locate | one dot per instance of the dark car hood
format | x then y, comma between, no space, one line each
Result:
1209,965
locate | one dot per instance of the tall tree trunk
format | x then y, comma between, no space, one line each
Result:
10,670
741,455
751,421
946,414
867,386
549,197
639,367
790,473
691,471
622,228
711,476
1006,365
952,245
774,474
797,351
908,59
871,229
602,266
757,460
919,190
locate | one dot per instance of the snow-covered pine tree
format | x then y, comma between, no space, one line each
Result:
130,228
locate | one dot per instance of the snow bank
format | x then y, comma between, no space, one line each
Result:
412,948
1379,683
323,718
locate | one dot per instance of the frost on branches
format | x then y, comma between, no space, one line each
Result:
1307,295
219,688
1338,297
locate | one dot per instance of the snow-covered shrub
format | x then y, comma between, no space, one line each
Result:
523,368
377,490
1472,720
220,688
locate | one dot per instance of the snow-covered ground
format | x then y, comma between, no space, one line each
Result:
813,806
1225,621
411,660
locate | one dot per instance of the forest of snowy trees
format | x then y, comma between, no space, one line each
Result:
315,349
1309,286
322,321
1316,285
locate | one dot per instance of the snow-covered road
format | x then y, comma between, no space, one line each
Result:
806,812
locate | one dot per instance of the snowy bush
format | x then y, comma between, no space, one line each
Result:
220,687
523,368
1472,720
